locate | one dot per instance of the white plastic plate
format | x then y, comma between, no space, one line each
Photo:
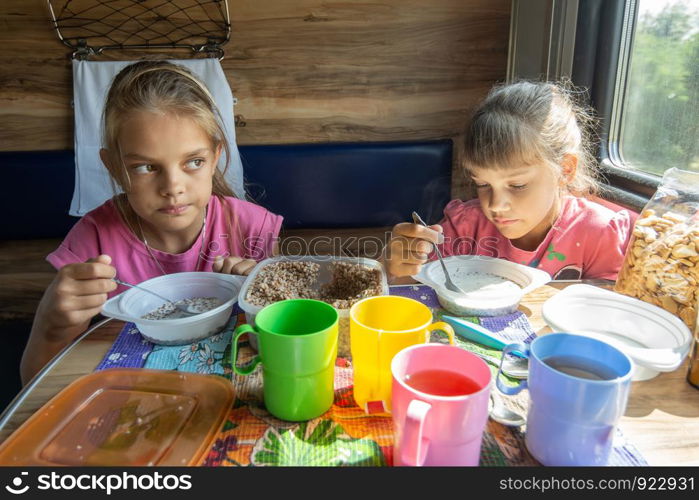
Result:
132,304
656,340
483,301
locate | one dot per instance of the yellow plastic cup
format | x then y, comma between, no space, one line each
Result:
379,328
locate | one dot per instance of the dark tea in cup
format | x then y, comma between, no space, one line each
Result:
579,367
578,389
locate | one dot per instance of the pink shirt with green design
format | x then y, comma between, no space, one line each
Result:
587,240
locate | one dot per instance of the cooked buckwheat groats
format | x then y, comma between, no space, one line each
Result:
284,280
349,283
299,280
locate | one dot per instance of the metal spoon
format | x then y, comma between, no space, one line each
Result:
180,307
502,414
448,283
514,368
499,412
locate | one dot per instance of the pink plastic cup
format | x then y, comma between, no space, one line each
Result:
438,429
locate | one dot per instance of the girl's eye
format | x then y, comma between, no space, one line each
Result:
518,186
480,186
143,169
196,163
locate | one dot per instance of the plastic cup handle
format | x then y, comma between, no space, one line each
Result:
443,327
414,449
511,391
247,369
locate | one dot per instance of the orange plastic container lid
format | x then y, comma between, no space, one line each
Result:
124,416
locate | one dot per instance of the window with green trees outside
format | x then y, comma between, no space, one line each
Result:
660,113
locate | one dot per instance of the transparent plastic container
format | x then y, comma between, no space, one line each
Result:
661,264
324,276
133,304
124,417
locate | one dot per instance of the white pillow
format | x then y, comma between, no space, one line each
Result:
91,81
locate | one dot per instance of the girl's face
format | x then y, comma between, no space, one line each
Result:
522,202
170,161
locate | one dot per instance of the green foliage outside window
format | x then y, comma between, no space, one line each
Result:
660,121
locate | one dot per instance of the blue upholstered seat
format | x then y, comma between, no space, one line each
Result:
311,185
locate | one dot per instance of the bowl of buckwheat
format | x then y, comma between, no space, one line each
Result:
209,298
339,281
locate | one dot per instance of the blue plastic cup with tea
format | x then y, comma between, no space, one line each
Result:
578,390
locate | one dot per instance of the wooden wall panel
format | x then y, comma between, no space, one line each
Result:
303,71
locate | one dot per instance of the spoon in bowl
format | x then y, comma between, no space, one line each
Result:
448,283
184,309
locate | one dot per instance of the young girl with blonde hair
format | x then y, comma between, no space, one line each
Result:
526,153
162,143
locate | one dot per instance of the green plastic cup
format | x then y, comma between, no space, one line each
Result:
297,342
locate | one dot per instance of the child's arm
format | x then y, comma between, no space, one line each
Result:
75,296
408,249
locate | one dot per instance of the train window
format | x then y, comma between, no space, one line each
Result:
655,124
639,59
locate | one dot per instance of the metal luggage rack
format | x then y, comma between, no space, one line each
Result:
89,27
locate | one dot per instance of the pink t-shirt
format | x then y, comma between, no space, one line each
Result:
102,231
587,240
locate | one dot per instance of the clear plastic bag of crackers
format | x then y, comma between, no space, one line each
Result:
661,265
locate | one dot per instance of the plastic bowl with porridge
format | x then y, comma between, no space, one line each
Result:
492,286
194,305
339,281
212,293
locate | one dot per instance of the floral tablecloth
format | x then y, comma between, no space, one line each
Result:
345,434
